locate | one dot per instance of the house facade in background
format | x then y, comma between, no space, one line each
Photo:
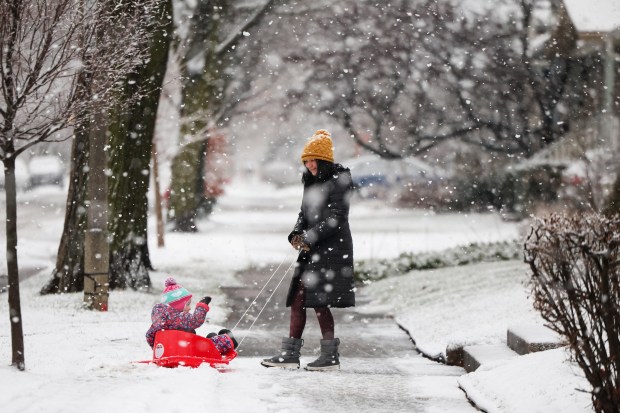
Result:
590,33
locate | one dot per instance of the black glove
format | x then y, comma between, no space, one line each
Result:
205,300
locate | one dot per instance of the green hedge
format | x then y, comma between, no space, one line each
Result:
373,270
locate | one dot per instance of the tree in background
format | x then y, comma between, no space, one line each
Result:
613,203
186,192
68,273
139,19
55,73
202,84
209,97
404,77
458,83
131,132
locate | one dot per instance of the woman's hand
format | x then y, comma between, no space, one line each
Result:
296,241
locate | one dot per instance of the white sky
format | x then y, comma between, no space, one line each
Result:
594,15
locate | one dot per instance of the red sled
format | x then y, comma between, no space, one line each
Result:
173,348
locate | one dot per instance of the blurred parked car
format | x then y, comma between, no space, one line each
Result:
376,177
22,178
46,170
281,173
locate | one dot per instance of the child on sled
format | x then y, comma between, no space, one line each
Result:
173,314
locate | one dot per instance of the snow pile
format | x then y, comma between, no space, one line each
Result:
537,382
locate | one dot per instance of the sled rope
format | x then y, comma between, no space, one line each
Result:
261,290
267,302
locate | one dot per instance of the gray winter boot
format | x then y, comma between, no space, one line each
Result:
328,360
289,354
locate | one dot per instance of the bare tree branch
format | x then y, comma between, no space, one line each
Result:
237,34
576,288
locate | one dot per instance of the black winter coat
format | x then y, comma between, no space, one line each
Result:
326,270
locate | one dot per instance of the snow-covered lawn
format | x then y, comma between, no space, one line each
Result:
453,306
80,361
473,305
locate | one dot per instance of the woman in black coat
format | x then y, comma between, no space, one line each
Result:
323,276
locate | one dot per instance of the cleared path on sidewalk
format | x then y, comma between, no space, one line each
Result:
380,369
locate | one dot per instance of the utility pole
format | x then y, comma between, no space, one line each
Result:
96,246
158,211
611,138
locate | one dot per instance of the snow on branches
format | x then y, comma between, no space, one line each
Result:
61,60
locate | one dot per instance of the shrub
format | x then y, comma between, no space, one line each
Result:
515,191
575,282
366,271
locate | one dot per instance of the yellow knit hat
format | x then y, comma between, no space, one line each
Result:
319,146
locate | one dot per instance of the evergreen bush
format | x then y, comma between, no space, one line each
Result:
373,270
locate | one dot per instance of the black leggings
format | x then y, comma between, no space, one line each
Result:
298,316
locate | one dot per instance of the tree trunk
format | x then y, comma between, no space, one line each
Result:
201,96
187,186
68,275
131,136
15,312
612,206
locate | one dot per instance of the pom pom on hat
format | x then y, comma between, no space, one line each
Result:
319,146
170,281
174,295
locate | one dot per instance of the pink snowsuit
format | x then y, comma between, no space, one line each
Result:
165,317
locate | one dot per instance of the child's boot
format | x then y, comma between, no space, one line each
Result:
329,358
229,334
289,354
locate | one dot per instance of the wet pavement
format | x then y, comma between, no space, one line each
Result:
360,335
380,368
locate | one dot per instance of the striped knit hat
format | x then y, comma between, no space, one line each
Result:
319,146
174,295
